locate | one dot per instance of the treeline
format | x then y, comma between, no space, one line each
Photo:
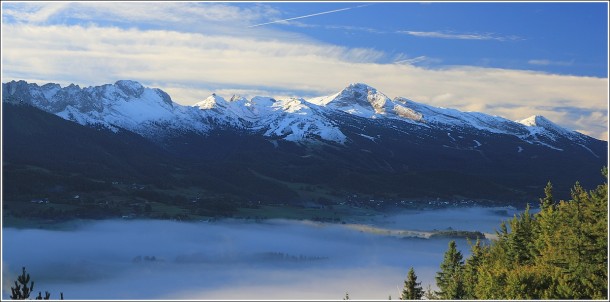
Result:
560,252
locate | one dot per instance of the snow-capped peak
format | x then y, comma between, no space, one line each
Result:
213,101
534,120
129,87
238,98
538,125
542,122
358,98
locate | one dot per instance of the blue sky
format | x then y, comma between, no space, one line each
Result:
508,59
564,38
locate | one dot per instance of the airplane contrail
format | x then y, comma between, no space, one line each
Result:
307,16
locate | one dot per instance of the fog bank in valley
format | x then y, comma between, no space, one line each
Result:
231,259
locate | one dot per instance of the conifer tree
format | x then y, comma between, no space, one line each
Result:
547,201
572,255
471,269
583,258
21,291
47,296
544,229
450,278
502,245
430,294
596,232
412,289
520,238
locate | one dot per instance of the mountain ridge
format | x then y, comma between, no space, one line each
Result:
279,149
128,104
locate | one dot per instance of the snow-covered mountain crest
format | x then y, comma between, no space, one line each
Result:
357,99
124,104
211,102
152,113
540,122
365,101
540,127
289,119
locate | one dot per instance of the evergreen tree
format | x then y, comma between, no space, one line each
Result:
430,294
450,278
47,296
21,291
596,244
583,258
571,255
412,289
547,201
471,268
502,245
520,238
525,283
545,227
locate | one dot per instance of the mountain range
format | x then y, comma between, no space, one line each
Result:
356,141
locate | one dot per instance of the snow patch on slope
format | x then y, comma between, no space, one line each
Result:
586,148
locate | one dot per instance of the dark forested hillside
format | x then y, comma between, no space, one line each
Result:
48,157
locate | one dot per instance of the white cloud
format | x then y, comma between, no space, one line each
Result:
166,12
420,60
355,28
586,122
201,17
35,12
545,62
458,36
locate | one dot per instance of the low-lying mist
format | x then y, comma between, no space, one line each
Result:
232,259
